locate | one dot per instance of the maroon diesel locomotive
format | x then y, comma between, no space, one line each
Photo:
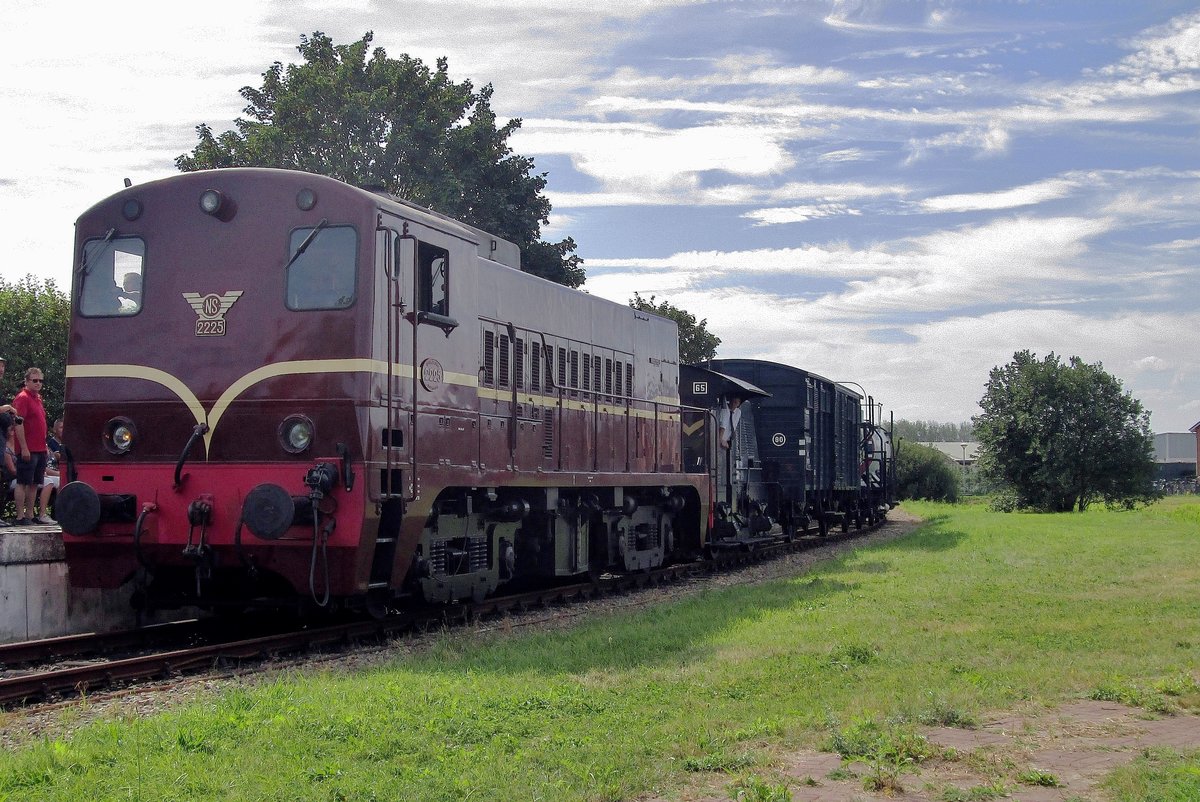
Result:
283,387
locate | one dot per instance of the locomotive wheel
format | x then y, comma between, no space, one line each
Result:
377,608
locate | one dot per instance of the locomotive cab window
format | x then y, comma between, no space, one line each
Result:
110,276
323,275
433,280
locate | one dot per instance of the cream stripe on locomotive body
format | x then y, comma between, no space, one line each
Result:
467,423
212,416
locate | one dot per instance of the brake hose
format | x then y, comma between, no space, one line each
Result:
320,539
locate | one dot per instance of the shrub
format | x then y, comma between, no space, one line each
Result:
925,473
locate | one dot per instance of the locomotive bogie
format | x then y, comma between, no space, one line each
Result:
463,554
477,540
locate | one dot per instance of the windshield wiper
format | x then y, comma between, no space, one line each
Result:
84,268
312,235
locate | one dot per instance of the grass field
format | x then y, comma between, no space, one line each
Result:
976,611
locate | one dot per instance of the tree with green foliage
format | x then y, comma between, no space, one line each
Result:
1064,435
37,319
696,343
928,431
396,124
925,473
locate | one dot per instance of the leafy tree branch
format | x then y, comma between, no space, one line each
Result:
368,119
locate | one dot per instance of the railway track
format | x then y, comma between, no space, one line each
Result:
33,671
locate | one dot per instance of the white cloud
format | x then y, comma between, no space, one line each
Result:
741,70
868,17
939,84
559,224
533,59
843,155
692,266
1151,363
958,353
105,95
787,108
945,366
798,214
1028,195
1173,47
989,141
624,155
1010,261
1165,62
843,191
802,75
728,194
1177,245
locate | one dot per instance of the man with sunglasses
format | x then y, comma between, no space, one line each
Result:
31,456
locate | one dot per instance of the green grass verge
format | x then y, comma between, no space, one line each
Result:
976,611
1158,775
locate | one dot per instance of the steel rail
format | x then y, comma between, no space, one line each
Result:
87,643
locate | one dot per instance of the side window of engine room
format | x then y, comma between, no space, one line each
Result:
323,275
110,276
433,279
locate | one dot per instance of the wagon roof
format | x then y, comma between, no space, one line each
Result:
723,384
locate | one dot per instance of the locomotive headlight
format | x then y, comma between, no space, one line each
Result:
306,199
211,202
119,436
296,433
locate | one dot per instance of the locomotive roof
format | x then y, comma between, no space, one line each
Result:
498,249
489,245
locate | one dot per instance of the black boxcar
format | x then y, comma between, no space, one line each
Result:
801,453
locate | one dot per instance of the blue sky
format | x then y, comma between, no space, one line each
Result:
901,194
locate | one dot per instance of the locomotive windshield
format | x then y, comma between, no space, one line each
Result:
323,276
110,281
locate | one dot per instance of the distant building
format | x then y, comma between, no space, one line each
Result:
1196,431
965,454
1175,454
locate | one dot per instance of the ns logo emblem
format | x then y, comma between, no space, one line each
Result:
210,311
